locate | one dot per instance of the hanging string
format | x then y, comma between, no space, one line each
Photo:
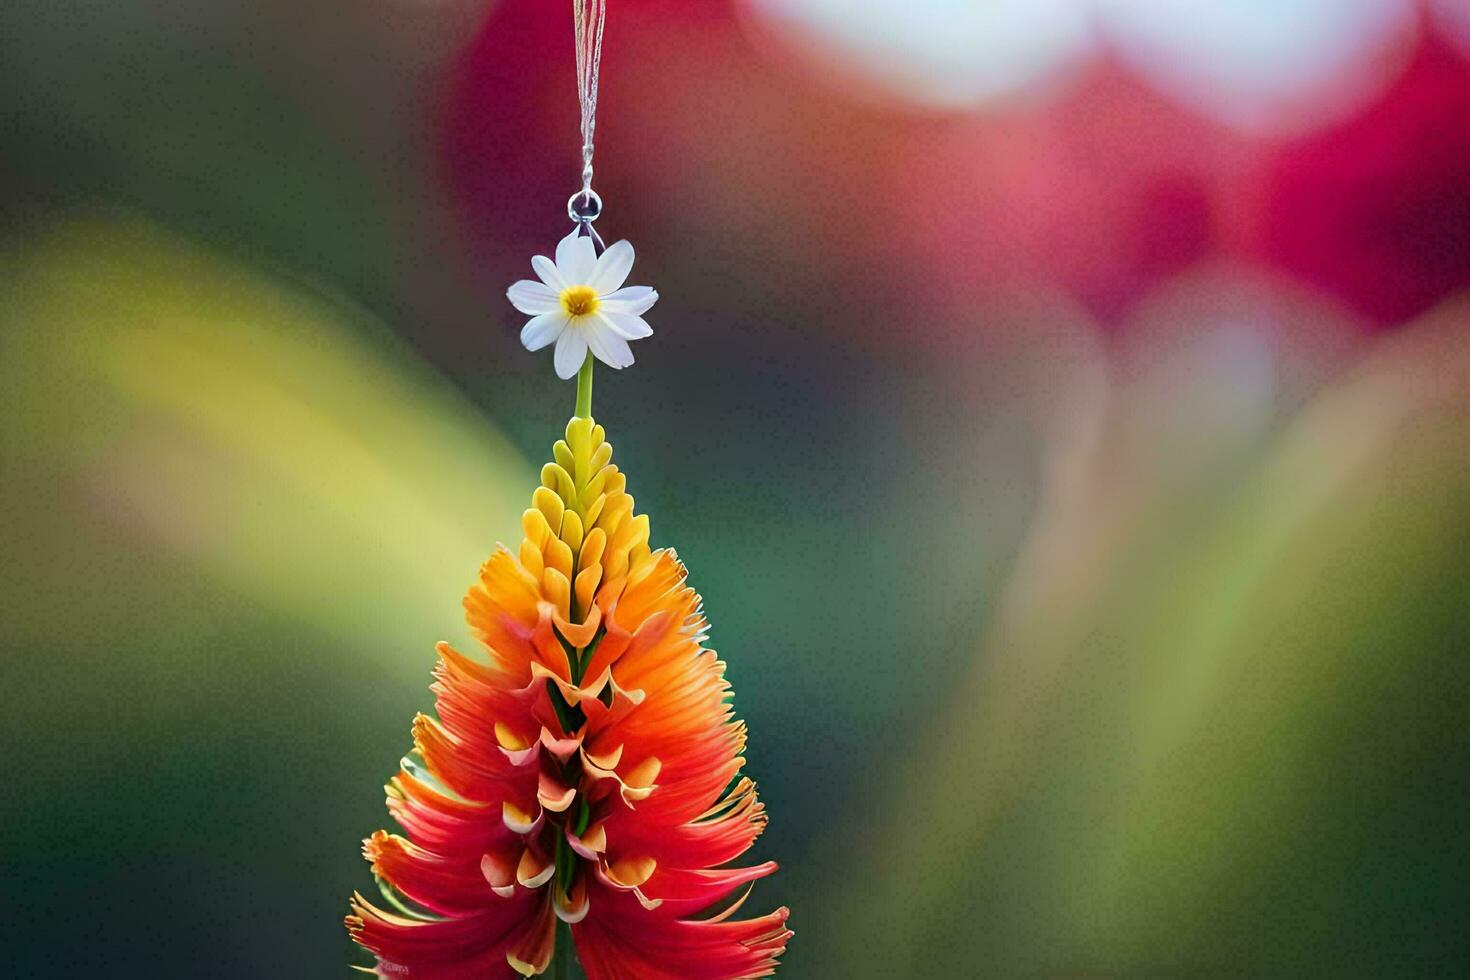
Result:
587,21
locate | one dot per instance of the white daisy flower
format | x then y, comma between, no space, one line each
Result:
582,304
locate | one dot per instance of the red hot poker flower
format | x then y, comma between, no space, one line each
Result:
588,772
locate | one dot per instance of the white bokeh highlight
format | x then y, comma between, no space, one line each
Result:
945,53
1262,65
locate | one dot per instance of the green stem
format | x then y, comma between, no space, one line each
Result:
584,389
564,965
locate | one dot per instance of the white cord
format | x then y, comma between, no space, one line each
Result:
588,16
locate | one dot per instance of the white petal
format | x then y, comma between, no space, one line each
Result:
609,348
575,259
612,267
542,330
533,297
630,299
571,351
626,325
546,269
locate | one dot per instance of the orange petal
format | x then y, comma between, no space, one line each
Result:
579,635
631,872
531,954
518,820
553,795
592,842
500,871
571,907
534,871
561,748
604,760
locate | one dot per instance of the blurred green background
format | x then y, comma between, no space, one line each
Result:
1063,408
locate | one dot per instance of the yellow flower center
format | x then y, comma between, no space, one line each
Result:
579,300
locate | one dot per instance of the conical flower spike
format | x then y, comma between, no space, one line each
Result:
584,770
